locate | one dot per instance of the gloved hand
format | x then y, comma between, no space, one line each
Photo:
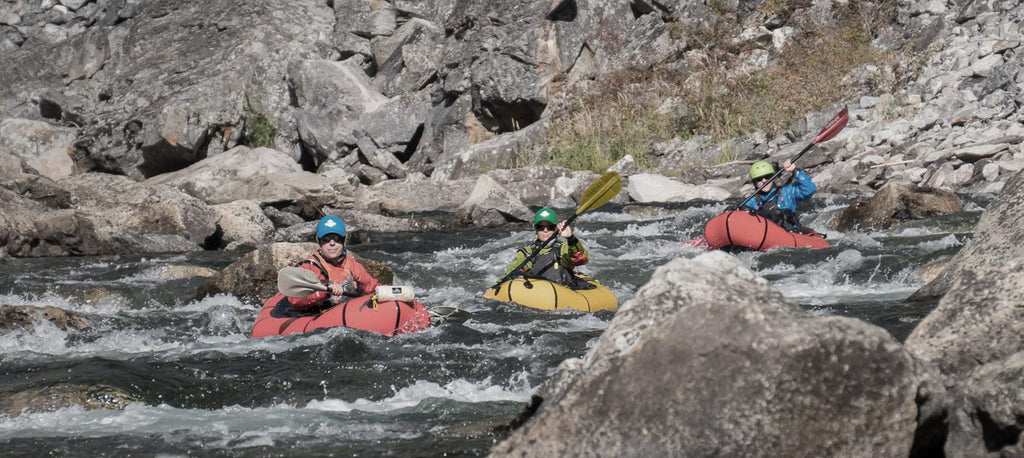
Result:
348,288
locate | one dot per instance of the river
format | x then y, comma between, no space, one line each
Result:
204,387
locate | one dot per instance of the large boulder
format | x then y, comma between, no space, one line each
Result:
987,418
996,241
710,359
44,147
895,204
491,204
115,214
545,186
979,318
649,187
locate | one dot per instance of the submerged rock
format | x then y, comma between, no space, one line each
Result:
25,317
59,397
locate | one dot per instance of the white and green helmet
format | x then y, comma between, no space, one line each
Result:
545,214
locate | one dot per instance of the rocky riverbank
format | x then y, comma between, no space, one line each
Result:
384,109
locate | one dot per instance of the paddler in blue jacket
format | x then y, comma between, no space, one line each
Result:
557,260
778,205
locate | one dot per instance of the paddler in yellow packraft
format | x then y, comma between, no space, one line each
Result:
547,278
556,261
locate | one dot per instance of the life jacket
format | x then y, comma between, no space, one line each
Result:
546,265
331,273
769,209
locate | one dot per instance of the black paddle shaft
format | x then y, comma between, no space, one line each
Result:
533,255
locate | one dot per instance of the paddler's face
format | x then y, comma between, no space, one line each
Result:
545,231
760,181
332,245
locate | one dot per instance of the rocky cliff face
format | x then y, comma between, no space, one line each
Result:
355,93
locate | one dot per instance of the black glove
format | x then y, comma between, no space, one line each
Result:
349,289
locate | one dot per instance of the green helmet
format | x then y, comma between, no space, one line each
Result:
545,214
761,169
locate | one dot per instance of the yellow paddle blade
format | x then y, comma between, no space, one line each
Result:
600,192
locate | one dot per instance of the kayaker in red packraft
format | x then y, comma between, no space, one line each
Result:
346,277
778,205
555,261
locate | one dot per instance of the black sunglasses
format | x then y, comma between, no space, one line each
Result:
327,238
544,227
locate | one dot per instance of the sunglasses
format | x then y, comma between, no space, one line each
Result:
544,227
328,238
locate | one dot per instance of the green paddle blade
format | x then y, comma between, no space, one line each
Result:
298,282
600,192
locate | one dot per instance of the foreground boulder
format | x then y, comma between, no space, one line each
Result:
709,359
996,241
979,318
989,410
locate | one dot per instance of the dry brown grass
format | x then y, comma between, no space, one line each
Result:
621,115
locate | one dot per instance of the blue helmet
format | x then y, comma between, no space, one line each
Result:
330,225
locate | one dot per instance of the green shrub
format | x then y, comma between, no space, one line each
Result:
260,129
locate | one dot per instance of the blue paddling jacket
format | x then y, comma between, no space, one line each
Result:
779,204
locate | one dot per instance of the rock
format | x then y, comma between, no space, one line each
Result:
545,186
895,204
44,147
747,375
989,417
24,317
646,187
417,193
978,319
53,398
490,204
242,224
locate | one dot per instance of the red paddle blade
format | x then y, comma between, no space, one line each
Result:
836,124
699,242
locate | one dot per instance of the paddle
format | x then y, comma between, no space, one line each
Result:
299,282
836,124
597,194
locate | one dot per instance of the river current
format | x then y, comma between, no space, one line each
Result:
204,387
